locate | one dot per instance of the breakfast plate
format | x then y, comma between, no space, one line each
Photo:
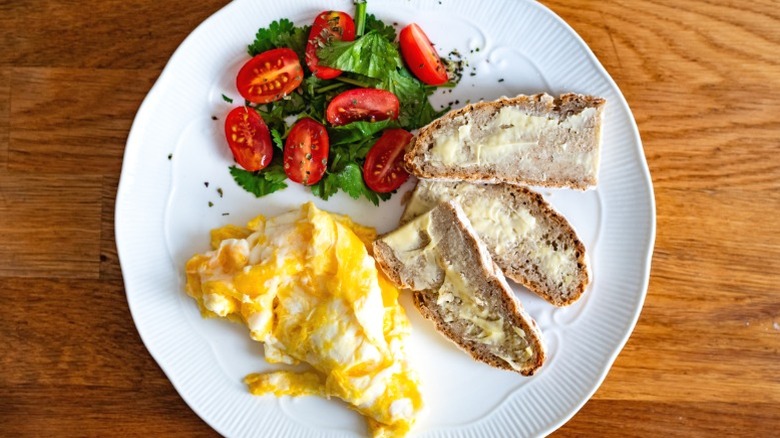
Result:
175,187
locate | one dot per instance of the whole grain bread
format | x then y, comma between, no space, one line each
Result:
459,288
532,243
529,140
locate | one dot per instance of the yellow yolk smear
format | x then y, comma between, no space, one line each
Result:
305,285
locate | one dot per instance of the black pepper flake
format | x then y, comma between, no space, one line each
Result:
206,183
219,190
501,80
170,156
213,117
472,74
225,214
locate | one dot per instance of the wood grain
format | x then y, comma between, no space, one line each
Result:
703,81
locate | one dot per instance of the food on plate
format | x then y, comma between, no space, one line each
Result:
383,168
248,138
530,140
457,286
421,56
305,285
367,104
328,26
532,244
353,80
269,76
306,152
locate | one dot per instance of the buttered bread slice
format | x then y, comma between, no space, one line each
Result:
530,140
460,289
532,243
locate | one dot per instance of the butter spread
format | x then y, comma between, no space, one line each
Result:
503,227
512,132
416,247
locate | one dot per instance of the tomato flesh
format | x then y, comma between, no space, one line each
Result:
328,26
368,104
306,152
269,76
248,138
420,56
383,170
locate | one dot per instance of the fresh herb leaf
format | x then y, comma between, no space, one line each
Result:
227,99
281,33
378,26
416,109
357,131
277,139
371,55
261,183
350,180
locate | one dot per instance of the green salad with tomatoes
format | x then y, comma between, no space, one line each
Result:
352,89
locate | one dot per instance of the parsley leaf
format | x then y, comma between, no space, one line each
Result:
374,24
357,131
416,109
281,33
277,139
371,55
261,183
350,180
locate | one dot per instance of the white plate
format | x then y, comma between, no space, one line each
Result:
163,217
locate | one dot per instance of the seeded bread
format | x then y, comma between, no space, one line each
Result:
528,140
532,243
459,288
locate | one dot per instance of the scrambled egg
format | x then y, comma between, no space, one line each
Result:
306,286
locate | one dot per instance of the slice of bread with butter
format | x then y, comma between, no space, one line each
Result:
457,286
532,243
529,140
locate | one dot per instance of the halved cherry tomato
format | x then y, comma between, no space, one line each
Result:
248,138
270,76
328,26
362,104
306,152
420,56
383,169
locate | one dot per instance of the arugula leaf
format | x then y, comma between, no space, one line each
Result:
261,183
371,55
374,24
281,33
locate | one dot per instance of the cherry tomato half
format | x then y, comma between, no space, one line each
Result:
306,152
420,56
248,138
270,76
362,104
328,26
383,169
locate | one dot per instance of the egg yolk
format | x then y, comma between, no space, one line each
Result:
305,285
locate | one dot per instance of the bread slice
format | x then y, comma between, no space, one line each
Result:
529,140
460,289
532,243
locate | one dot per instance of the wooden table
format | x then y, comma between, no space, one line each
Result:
703,80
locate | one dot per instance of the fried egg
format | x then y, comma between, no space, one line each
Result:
306,286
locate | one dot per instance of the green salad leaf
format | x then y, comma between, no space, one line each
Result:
280,33
378,26
261,183
371,55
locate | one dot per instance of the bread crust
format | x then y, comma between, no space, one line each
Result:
510,266
542,104
510,307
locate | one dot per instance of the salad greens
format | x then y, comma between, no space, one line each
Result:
372,60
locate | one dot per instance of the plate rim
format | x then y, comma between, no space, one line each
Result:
650,233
